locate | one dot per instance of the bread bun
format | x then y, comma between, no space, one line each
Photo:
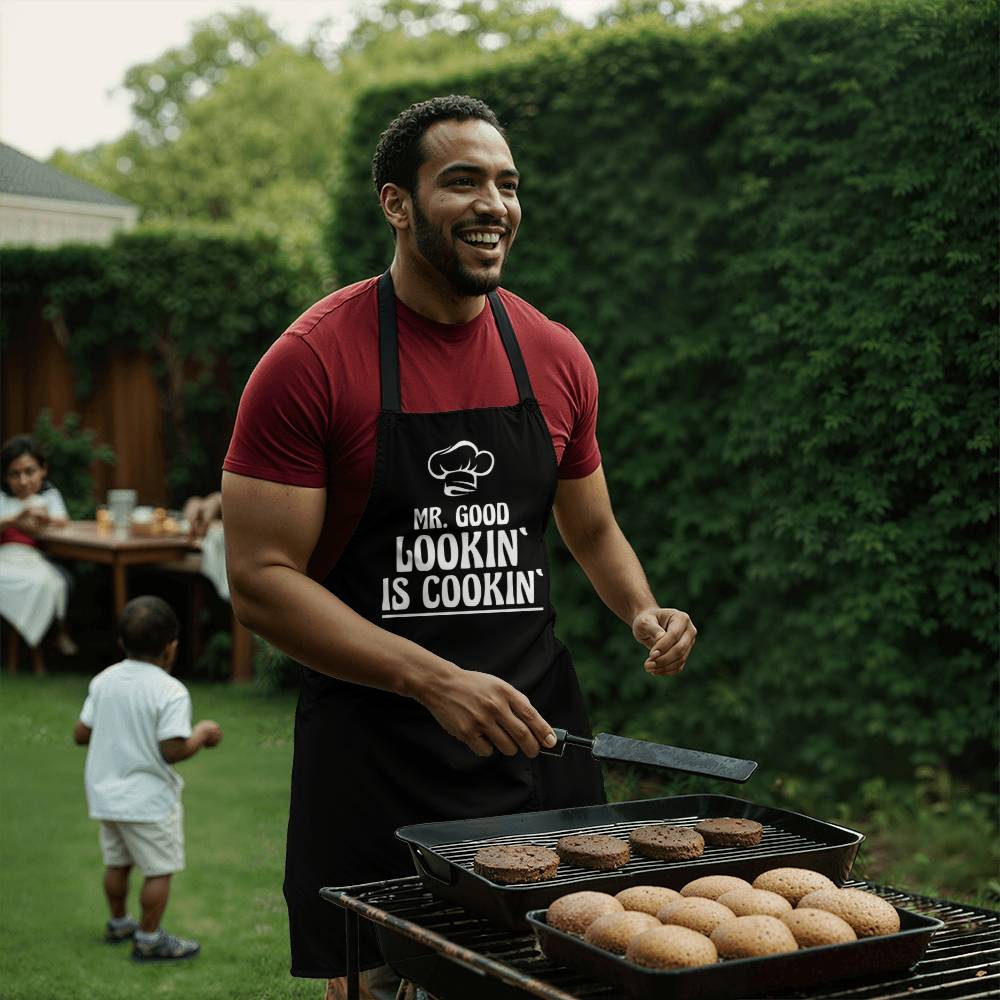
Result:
647,898
671,948
701,915
575,912
748,902
614,931
713,886
812,928
753,937
792,883
869,915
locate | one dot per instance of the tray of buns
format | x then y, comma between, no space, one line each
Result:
729,940
551,853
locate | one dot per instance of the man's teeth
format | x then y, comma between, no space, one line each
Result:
491,239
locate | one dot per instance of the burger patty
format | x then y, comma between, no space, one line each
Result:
667,843
594,850
730,832
511,864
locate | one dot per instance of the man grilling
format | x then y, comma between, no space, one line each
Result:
395,460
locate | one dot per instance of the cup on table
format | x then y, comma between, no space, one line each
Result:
103,518
121,503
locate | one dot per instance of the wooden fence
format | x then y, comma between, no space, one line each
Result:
124,409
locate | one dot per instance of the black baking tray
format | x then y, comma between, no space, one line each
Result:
442,852
866,958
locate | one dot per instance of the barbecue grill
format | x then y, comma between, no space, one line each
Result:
457,955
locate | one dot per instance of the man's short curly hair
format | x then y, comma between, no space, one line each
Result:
399,152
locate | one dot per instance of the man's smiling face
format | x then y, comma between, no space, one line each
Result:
465,207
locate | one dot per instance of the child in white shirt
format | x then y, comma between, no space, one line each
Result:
137,722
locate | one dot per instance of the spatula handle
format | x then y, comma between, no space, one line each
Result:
563,739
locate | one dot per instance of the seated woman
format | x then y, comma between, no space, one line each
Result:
33,592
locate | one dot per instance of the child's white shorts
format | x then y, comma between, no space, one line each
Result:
154,848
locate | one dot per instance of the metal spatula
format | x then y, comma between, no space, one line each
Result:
606,746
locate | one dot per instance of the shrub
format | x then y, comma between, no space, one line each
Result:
202,304
776,238
71,453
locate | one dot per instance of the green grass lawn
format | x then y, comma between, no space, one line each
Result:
52,908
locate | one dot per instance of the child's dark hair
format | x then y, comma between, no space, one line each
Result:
147,626
22,444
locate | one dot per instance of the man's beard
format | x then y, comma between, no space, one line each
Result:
444,258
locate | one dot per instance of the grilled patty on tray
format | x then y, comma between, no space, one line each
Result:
593,850
667,843
511,864
729,832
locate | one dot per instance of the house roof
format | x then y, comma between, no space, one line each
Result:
20,174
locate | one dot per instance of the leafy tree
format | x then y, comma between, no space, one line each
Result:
240,127
163,90
466,26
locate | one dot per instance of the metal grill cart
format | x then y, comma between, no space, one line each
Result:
457,955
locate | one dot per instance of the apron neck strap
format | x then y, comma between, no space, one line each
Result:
389,348
513,349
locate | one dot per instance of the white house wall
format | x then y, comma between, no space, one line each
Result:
47,222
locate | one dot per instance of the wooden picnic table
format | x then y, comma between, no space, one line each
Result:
84,541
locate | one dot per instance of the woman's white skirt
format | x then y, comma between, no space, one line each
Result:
32,591
213,559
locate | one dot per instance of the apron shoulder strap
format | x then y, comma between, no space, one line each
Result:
389,349
513,349
387,344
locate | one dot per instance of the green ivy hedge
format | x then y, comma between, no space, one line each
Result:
202,306
775,236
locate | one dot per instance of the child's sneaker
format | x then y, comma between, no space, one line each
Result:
116,931
65,645
164,948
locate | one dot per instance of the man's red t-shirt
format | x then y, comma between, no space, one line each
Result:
308,413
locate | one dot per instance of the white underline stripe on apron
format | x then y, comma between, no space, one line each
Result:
434,614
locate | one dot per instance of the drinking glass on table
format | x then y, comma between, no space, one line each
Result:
121,503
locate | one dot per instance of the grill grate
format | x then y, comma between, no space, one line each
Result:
963,960
776,842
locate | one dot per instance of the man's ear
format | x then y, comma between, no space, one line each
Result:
395,201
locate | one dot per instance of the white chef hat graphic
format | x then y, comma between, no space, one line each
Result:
460,465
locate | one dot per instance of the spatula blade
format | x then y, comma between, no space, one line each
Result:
610,747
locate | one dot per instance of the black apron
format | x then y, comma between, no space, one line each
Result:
449,553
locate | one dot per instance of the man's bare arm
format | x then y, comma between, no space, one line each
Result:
81,734
271,530
589,529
